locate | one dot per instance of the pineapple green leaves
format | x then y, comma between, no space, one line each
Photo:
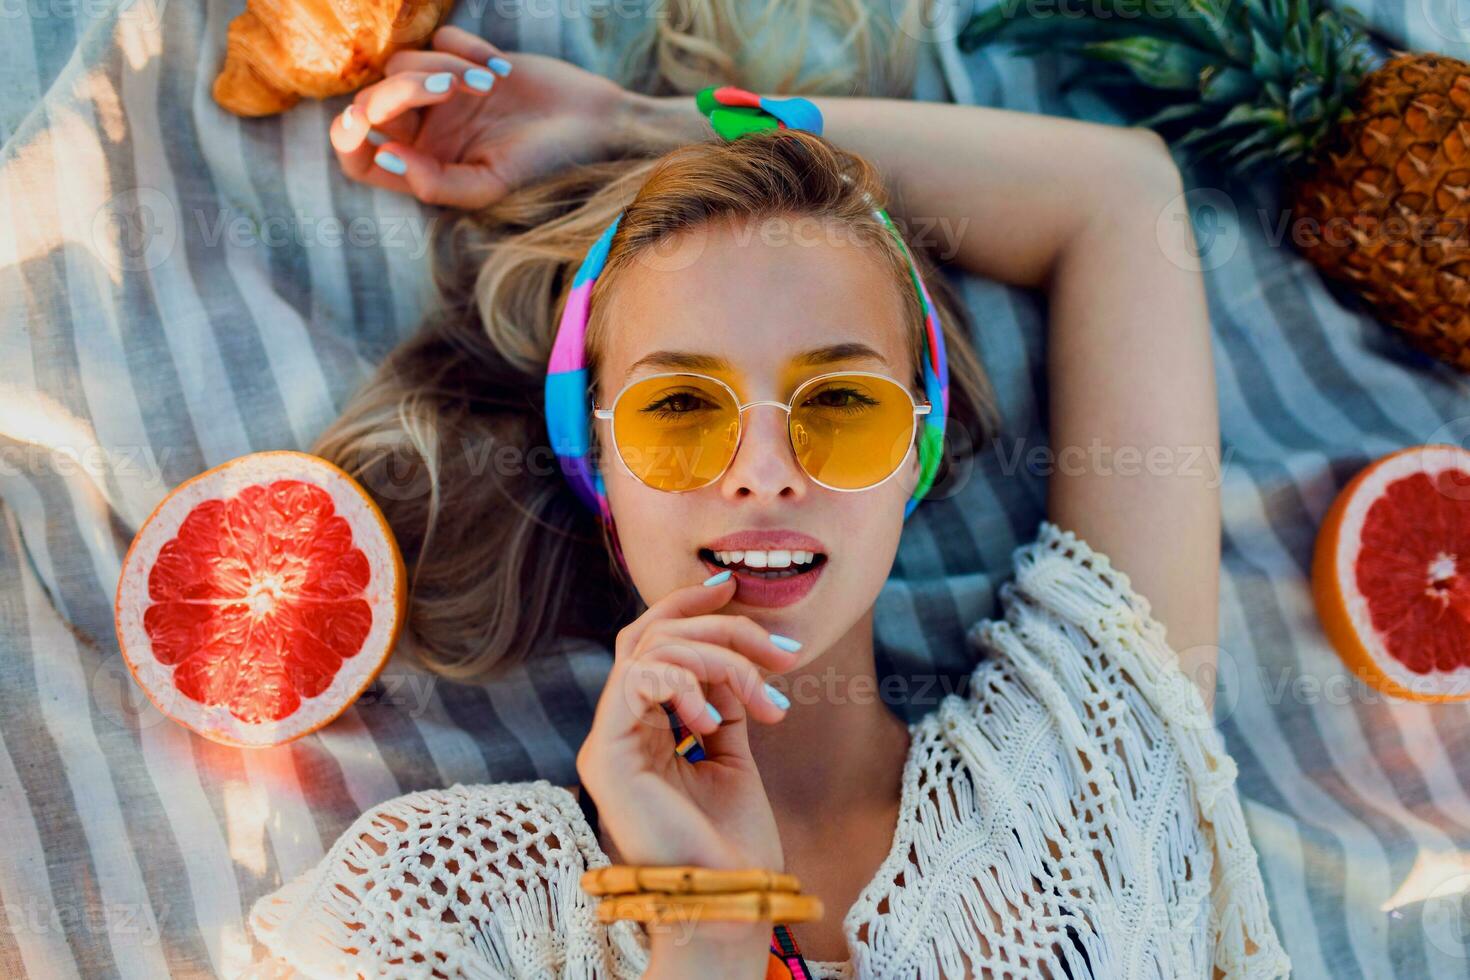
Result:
1239,82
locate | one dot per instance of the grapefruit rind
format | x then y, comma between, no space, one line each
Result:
385,594
1345,615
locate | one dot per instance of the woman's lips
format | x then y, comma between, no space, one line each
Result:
754,590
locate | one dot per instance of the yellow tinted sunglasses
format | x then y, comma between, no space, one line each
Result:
849,430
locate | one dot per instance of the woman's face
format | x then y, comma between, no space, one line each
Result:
762,308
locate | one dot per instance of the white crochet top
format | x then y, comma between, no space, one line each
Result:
1073,814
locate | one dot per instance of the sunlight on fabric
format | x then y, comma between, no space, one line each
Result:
85,220
1435,876
128,229
35,227
107,105
246,810
235,949
27,415
39,422
138,35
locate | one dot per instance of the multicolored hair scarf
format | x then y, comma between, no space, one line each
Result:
732,113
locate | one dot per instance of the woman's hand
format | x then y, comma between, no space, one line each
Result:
467,146
660,808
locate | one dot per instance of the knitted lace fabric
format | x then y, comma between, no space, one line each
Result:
1073,814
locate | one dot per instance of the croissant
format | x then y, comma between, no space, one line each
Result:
281,50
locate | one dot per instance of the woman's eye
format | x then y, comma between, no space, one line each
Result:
840,398
676,403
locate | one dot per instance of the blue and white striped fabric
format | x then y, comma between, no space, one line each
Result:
179,287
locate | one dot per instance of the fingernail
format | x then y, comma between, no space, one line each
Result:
390,163
786,643
719,718
376,138
347,118
479,79
717,578
777,698
439,82
499,65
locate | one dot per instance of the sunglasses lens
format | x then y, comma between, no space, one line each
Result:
852,431
676,432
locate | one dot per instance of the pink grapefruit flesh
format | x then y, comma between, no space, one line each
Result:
1391,573
260,598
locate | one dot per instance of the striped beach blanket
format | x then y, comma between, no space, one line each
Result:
179,287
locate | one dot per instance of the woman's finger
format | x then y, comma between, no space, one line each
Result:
645,688
402,126
739,633
632,708
357,150
471,47
736,691
690,600
386,100
732,738
477,77
459,185
717,667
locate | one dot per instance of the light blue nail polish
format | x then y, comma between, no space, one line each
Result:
390,163
439,82
719,718
786,643
499,65
376,138
347,118
717,578
479,79
777,698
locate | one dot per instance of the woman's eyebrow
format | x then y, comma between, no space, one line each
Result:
689,361
851,351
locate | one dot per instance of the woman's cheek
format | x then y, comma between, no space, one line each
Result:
659,559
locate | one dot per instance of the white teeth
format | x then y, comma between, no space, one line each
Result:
780,558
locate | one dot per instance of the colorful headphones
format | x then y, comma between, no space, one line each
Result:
733,113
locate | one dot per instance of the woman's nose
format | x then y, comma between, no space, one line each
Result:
764,466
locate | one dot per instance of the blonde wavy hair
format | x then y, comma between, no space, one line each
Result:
871,46
449,434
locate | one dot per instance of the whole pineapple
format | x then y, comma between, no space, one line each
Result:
1375,158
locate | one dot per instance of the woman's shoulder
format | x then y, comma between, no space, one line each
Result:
461,874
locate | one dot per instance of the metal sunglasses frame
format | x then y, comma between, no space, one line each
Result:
920,408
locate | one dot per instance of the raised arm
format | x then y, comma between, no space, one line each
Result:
1092,214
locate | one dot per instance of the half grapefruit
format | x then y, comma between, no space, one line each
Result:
260,598
1391,574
